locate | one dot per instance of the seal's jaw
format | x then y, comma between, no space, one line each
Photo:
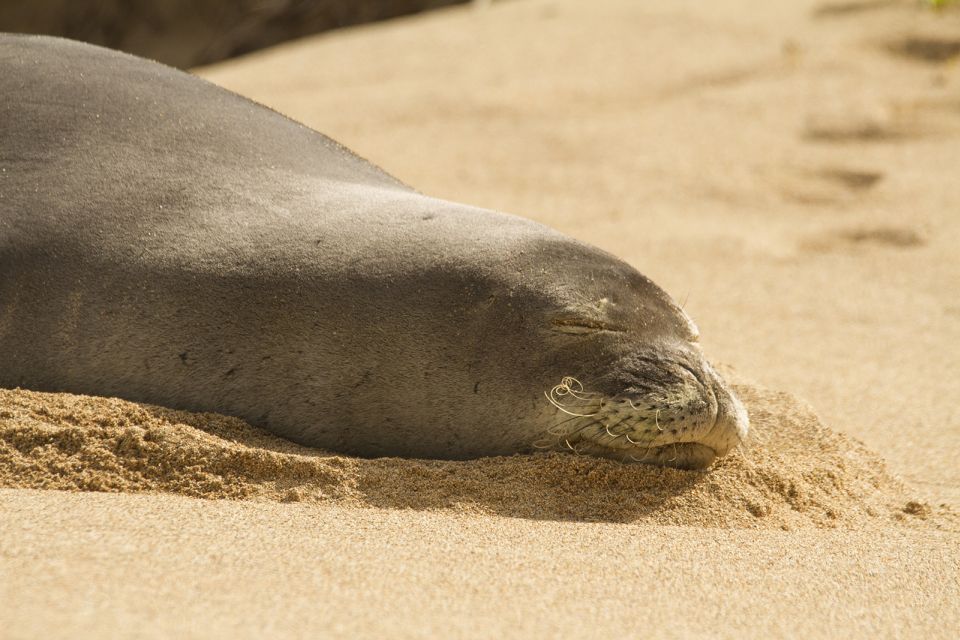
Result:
679,455
685,455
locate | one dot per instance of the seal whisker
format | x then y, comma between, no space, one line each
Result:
646,455
583,428
566,420
556,431
615,425
566,436
573,387
561,408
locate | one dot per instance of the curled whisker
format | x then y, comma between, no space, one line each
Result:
570,386
616,424
559,406
573,388
647,451
561,433
571,447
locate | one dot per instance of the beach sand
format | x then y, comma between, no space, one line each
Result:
786,170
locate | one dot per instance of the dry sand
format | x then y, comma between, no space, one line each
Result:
787,169
797,473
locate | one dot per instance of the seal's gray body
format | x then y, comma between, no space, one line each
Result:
166,241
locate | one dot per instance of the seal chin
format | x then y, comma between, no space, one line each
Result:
679,455
682,455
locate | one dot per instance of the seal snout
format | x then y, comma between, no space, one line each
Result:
729,422
674,412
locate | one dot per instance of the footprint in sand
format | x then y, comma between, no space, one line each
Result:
841,9
827,186
853,180
928,49
855,128
856,237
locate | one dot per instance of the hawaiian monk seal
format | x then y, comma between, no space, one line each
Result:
167,241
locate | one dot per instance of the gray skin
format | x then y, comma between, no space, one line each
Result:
166,241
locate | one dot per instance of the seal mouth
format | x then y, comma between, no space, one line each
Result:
680,455
692,456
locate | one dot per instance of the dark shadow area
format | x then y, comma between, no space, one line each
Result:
546,486
188,33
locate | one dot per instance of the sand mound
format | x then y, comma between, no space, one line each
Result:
796,472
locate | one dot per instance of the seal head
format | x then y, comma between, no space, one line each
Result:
654,397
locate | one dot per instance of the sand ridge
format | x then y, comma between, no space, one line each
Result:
795,472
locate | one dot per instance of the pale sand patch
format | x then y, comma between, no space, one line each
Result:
158,566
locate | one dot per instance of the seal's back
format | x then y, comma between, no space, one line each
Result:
118,128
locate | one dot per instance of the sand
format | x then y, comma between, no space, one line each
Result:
795,473
786,169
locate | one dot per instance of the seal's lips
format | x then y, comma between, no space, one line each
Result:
679,455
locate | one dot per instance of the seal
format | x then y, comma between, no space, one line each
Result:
166,241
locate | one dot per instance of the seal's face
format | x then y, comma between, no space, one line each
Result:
656,399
